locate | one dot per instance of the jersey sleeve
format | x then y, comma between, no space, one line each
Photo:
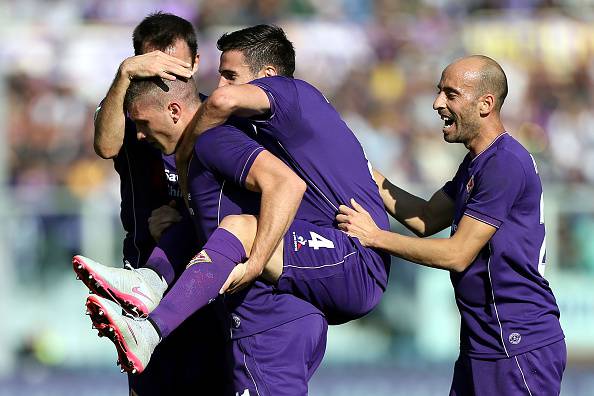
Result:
228,152
284,101
451,188
496,189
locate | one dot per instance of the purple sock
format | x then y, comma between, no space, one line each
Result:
201,281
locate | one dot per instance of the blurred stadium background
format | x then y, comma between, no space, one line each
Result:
378,62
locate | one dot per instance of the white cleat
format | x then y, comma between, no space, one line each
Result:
135,339
137,291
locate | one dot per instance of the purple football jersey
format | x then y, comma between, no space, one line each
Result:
143,188
306,132
216,176
506,305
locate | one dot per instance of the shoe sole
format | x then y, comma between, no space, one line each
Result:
103,320
99,286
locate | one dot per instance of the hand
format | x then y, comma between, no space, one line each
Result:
240,277
162,218
357,222
155,64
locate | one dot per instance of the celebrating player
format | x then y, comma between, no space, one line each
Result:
511,342
164,45
294,121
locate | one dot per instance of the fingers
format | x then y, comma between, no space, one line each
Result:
234,277
345,210
357,207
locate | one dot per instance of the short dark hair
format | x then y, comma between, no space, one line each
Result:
492,79
262,45
160,90
160,30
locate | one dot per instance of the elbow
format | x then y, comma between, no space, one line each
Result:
222,101
298,186
459,262
105,152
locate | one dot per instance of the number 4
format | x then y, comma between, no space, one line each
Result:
317,241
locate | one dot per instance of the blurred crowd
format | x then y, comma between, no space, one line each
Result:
377,61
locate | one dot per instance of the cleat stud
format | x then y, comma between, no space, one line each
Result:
122,370
90,276
93,327
90,292
134,371
79,266
111,329
77,277
100,312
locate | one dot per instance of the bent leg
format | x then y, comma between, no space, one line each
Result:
322,266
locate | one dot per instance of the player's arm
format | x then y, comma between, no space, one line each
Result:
455,253
244,100
110,118
281,193
422,217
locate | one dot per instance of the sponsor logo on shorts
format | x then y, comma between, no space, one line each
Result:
298,242
515,338
201,257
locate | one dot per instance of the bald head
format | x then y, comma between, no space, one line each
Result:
156,91
485,75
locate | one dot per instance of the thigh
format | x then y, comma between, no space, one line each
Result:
462,379
543,368
280,361
323,266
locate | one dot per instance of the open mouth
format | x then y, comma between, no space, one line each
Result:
448,122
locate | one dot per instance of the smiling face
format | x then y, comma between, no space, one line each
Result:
457,103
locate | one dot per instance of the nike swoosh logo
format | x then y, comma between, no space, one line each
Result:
136,289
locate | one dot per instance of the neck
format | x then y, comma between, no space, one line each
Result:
485,138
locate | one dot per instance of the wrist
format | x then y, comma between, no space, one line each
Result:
124,73
375,238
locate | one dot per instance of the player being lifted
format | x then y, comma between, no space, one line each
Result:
292,120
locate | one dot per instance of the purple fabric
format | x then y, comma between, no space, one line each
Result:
223,158
506,305
306,132
175,248
538,372
324,267
143,188
200,283
280,361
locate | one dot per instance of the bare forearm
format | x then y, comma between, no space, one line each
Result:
110,121
422,217
439,253
277,211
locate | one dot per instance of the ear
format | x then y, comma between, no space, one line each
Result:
268,71
196,63
175,111
486,104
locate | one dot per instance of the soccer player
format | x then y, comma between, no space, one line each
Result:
148,188
511,342
293,120
278,339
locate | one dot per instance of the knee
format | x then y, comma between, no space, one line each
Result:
242,226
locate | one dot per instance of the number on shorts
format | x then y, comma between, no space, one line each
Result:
317,241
